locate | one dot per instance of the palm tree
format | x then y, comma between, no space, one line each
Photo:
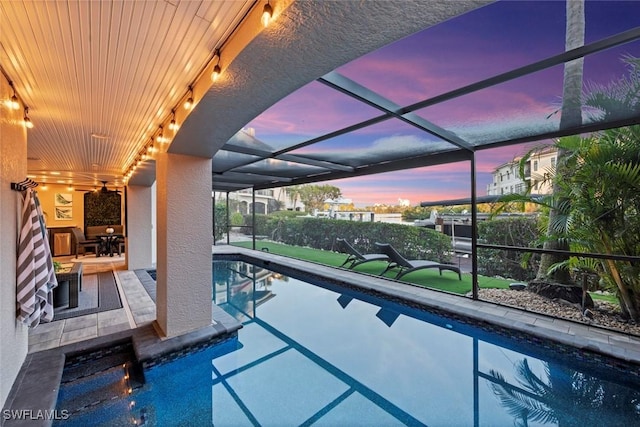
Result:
294,194
619,99
571,116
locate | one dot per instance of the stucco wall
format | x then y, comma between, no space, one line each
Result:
13,168
139,226
46,195
185,236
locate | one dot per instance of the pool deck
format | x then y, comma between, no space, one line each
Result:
49,343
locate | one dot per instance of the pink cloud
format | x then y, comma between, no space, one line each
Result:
411,70
311,111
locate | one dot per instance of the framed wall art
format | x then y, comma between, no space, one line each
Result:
64,199
64,213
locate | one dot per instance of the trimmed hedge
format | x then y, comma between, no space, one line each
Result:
522,232
236,219
320,233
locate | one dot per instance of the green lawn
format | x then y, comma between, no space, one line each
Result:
604,297
427,278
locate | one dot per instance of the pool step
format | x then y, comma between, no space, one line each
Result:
103,394
98,379
92,390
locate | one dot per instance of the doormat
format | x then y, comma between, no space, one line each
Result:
107,298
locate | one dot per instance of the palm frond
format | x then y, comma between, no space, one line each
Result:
519,403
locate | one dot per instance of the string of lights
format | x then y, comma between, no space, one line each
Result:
16,101
159,140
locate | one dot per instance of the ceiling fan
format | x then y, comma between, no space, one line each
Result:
103,190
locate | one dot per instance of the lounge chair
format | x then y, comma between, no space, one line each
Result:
83,244
407,266
356,258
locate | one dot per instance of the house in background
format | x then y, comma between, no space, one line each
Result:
266,201
507,180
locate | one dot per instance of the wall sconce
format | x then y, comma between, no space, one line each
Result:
13,103
27,121
151,149
160,138
188,104
267,13
172,124
216,70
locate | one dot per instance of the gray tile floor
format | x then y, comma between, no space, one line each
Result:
138,309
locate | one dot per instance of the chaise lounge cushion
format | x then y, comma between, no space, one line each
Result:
406,266
356,258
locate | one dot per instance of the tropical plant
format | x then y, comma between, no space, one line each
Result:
619,99
603,186
597,202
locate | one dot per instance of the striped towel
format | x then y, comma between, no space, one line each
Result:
35,273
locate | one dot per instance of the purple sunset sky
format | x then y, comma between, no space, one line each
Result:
483,43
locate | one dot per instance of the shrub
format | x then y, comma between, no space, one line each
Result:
288,214
412,242
220,220
237,219
522,232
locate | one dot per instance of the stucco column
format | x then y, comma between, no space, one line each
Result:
141,226
184,236
13,168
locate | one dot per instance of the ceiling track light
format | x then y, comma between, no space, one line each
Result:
267,14
27,121
172,124
149,149
188,104
14,103
216,70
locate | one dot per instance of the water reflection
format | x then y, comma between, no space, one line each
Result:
408,357
242,287
565,397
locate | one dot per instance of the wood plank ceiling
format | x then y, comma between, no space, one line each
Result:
99,76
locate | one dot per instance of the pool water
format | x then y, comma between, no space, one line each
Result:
322,356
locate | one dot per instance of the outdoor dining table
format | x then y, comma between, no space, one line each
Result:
109,243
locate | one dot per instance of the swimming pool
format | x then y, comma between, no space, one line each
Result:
314,355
